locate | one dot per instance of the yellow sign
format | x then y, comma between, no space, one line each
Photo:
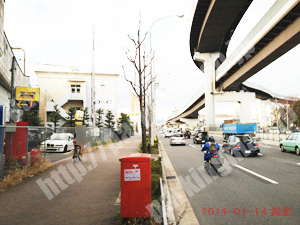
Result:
79,115
78,123
27,94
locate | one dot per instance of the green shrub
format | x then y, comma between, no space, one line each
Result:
155,186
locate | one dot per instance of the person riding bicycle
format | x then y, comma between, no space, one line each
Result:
211,147
75,146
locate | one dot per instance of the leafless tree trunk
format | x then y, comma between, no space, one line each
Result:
141,61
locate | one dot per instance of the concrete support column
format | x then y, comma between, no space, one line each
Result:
209,60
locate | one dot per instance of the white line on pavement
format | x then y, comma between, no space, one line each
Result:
118,200
192,146
62,160
298,164
266,146
256,174
260,154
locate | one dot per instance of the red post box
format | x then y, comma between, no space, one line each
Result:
136,185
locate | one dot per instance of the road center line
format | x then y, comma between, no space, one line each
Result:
256,174
298,164
192,146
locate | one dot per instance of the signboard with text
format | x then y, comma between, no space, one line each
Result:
27,98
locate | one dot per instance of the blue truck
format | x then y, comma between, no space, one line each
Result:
239,128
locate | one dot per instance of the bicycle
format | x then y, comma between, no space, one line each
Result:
77,154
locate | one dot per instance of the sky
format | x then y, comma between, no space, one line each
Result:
57,35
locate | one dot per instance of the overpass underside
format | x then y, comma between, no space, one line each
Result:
275,34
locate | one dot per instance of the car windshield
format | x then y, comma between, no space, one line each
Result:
59,137
244,139
178,135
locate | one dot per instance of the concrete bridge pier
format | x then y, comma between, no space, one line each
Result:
209,60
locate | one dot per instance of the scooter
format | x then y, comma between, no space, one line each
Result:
213,163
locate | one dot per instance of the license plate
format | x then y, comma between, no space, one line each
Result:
247,151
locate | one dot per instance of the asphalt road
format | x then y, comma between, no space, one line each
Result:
55,157
240,196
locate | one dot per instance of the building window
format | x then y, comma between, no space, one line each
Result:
75,88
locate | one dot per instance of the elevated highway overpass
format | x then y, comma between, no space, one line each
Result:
275,34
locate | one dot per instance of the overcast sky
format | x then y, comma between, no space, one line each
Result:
58,33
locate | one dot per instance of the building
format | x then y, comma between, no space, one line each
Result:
66,89
11,75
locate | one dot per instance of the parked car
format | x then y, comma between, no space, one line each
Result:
200,138
59,142
242,145
292,143
177,139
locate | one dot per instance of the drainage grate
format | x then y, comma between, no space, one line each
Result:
171,177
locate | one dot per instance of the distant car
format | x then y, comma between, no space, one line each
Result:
168,133
292,143
288,131
59,142
177,139
200,138
242,145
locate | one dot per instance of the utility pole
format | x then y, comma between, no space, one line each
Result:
287,115
93,79
24,56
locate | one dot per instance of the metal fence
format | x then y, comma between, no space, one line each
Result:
272,135
17,141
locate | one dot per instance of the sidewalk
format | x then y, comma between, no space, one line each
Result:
80,193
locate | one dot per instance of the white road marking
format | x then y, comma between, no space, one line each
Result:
260,154
256,174
266,146
192,146
118,200
62,160
298,164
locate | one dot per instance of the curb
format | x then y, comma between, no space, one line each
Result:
177,200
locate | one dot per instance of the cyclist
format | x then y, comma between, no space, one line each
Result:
75,146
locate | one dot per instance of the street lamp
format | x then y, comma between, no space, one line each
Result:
152,81
93,80
24,56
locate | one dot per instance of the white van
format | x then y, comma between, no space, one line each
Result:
169,133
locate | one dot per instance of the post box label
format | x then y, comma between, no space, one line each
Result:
132,174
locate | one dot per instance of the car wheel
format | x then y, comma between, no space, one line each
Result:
297,151
66,148
232,153
282,148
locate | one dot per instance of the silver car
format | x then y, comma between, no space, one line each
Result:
177,139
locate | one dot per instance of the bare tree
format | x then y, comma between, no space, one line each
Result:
140,61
